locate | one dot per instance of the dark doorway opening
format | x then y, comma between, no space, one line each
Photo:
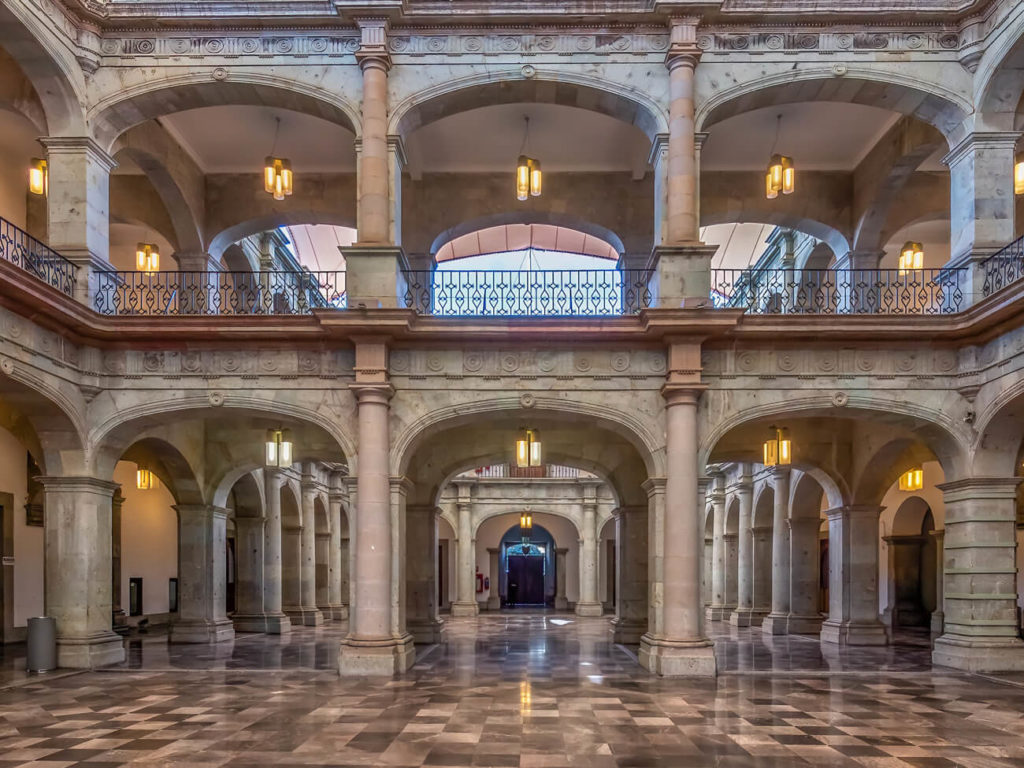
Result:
525,580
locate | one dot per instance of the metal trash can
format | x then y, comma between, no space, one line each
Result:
42,644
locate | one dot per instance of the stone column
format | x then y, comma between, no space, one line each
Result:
249,585
853,577
741,617
421,573
631,567
683,264
980,590
336,565
804,617
981,201
77,557
119,617
276,622
775,623
938,617
494,595
371,647
731,541
78,207
681,648
202,582
707,568
311,616
374,264
561,576
718,609
588,604
323,567
761,546
466,604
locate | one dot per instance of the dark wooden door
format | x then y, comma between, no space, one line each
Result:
526,580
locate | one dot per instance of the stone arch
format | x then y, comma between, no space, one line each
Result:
528,217
820,256
169,464
910,517
236,259
118,112
324,213
732,515
999,77
805,496
886,464
546,511
291,503
1000,426
588,92
18,95
322,520
931,103
47,420
247,496
29,37
812,217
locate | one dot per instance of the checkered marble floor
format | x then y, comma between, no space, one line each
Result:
508,690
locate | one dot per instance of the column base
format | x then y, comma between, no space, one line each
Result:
426,632
561,604
718,612
775,624
746,617
589,609
677,659
333,612
305,617
804,625
978,655
494,603
628,631
465,609
938,623
87,652
854,633
201,631
375,658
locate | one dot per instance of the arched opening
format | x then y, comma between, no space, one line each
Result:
912,569
527,567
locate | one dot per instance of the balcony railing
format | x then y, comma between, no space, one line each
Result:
1003,268
218,293
830,291
528,293
36,258
558,471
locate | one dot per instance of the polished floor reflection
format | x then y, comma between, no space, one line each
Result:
516,689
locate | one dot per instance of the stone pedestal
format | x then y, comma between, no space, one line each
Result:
853,578
980,592
202,588
77,537
374,276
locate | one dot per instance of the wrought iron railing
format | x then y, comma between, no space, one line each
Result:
218,293
1004,267
527,293
559,471
830,291
36,258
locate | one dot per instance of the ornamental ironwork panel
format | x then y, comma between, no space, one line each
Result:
1003,268
36,258
218,293
527,293
831,291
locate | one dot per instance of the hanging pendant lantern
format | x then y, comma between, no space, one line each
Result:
528,450
781,174
529,178
523,174
147,258
526,521
911,257
912,480
535,179
778,451
38,177
277,171
279,448
145,480
1018,175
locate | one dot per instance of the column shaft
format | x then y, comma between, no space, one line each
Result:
804,617
77,557
466,604
494,594
202,583
938,617
336,566
741,617
761,547
682,152
631,566
853,578
561,576
421,573
775,623
588,604
249,582
373,220
718,609
311,616
276,621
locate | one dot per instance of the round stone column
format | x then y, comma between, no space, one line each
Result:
745,552
588,604
776,622
466,604
202,585
277,623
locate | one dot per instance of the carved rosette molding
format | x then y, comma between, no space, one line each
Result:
460,43
923,40
261,46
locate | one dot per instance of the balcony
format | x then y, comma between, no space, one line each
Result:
36,258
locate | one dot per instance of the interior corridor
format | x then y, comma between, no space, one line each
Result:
522,688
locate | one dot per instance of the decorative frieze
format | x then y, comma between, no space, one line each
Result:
254,45
796,41
494,364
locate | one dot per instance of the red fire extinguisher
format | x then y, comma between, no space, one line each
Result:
479,582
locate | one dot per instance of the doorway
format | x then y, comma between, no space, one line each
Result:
525,579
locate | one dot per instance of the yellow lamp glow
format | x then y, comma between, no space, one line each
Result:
526,521
147,258
528,450
535,178
38,177
778,450
911,257
279,448
145,480
523,173
769,191
278,178
1018,176
912,480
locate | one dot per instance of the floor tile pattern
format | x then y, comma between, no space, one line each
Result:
513,690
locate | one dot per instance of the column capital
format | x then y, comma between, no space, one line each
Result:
760,530
199,511
494,550
373,44
563,551
854,510
402,484
780,473
980,487
377,393
804,522
68,145
72,484
984,140
683,50
653,486
682,394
